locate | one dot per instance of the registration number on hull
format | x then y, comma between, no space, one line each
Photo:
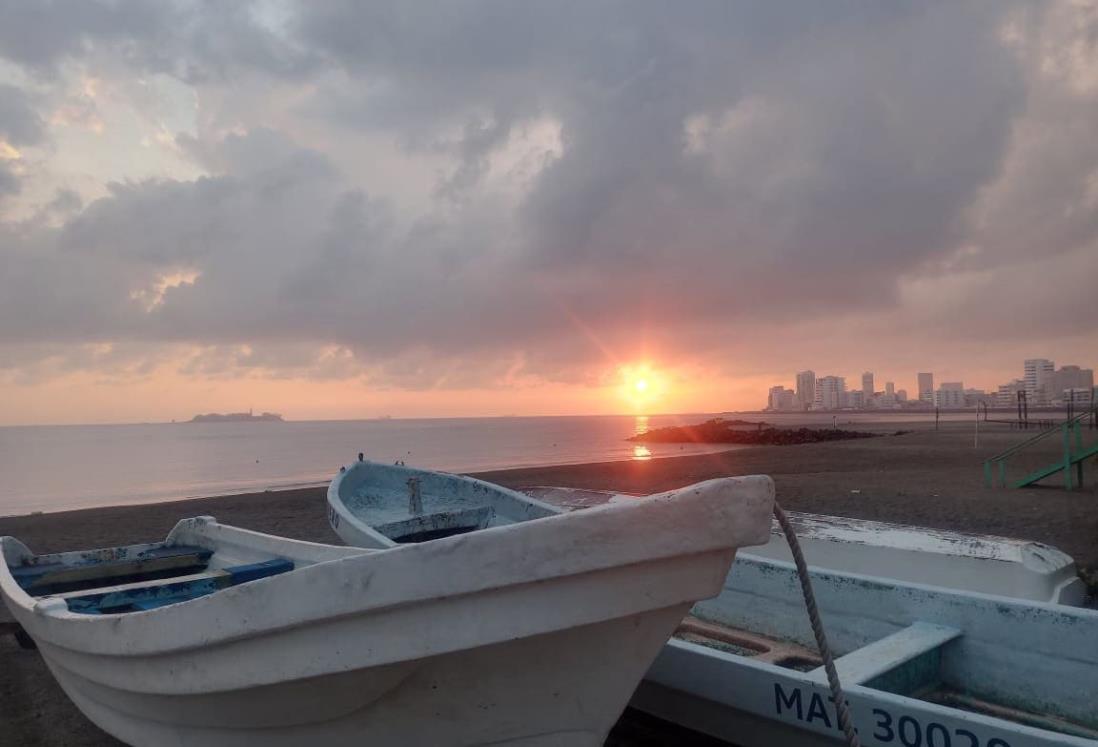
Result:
810,708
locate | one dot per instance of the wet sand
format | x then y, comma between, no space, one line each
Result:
923,477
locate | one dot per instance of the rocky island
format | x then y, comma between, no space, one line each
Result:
721,431
237,417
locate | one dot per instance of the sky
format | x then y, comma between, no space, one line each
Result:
345,210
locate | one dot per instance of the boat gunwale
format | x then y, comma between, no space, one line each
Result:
132,626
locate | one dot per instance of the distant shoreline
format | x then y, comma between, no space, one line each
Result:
878,413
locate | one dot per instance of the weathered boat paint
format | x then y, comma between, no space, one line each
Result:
381,505
54,573
531,633
910,654
1022,569
922,665
982,563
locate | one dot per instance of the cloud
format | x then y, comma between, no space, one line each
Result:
19,122
592,181
196,40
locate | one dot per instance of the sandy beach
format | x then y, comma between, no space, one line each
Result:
923,477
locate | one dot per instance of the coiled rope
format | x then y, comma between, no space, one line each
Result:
841,708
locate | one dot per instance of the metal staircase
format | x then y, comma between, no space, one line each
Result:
1075,453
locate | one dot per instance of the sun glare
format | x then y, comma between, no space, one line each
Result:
641,386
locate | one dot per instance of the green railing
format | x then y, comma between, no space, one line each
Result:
1074,454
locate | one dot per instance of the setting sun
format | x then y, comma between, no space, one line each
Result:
641,386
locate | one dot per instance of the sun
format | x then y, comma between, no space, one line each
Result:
640,386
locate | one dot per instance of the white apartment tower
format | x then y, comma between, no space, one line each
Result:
926,387
950,394
1038,373
806,389
829,392
867,388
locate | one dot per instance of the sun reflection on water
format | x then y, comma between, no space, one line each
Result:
641,452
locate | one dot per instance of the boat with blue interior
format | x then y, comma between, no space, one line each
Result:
504,621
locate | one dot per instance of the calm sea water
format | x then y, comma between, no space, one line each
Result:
54,468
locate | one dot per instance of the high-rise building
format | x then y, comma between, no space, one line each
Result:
950,394
867,388
926,387
781,398
829,393
890,388
806,389
1068,378
977,397
1007,395
1077,397
1038,373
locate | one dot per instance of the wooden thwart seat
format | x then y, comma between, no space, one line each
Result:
155,563
901,663
423,527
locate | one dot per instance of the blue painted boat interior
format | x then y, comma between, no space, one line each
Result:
135,578
152,596
410,505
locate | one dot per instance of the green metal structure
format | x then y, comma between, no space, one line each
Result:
1074,455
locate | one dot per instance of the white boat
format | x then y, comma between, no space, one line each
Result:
527,633
921,665
983,563
376,505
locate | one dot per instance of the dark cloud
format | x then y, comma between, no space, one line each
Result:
713,167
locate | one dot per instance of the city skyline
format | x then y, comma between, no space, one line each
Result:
1043,385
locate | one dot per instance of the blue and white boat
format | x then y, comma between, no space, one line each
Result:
377,505
922,665
469,626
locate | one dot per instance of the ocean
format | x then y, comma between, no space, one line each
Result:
55,468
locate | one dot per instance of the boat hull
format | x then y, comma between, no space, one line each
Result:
570,689
534,633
